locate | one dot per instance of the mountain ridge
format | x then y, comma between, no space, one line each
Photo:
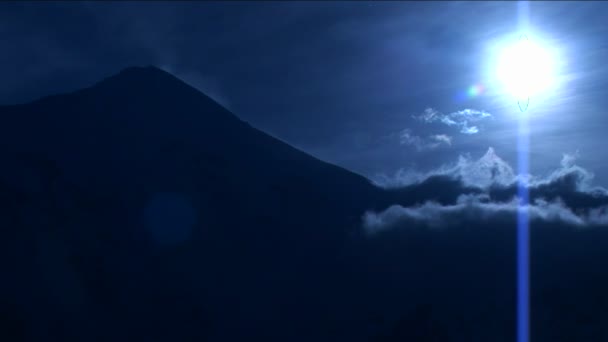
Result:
133,189
138,76
150,78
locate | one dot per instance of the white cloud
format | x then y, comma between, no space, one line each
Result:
423,143
470,115
407,138
461,119
485,191
469,130
478,210
569,159
430,115
442,138
483,172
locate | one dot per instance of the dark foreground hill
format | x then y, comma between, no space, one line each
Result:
145,208
140,210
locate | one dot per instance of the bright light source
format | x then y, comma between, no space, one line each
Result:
524,70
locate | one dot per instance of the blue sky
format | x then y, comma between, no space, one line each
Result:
349,82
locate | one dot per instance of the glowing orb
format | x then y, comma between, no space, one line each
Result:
525,69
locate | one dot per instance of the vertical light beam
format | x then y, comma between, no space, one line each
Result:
523,233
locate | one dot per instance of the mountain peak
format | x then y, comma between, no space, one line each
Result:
141,69
148,83
153,86
142,75
142,72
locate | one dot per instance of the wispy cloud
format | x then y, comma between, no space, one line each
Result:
406,137
462,119
442,138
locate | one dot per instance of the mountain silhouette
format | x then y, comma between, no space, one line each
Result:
139,209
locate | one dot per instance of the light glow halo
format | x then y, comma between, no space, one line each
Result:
525,69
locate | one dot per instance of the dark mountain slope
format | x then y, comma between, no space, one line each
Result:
148,109
140,197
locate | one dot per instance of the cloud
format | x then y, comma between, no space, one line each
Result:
424,143
483,172
483,191
442,138
462,119
449,237
469,130
478,209
429,115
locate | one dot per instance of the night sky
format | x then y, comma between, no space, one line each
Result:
133,207
347,82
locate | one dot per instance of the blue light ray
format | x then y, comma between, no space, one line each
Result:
523,223
523,235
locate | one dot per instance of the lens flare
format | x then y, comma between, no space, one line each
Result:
475,90
471,92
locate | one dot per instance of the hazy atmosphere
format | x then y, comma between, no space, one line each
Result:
304,171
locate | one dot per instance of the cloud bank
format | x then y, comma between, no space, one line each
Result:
485,191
